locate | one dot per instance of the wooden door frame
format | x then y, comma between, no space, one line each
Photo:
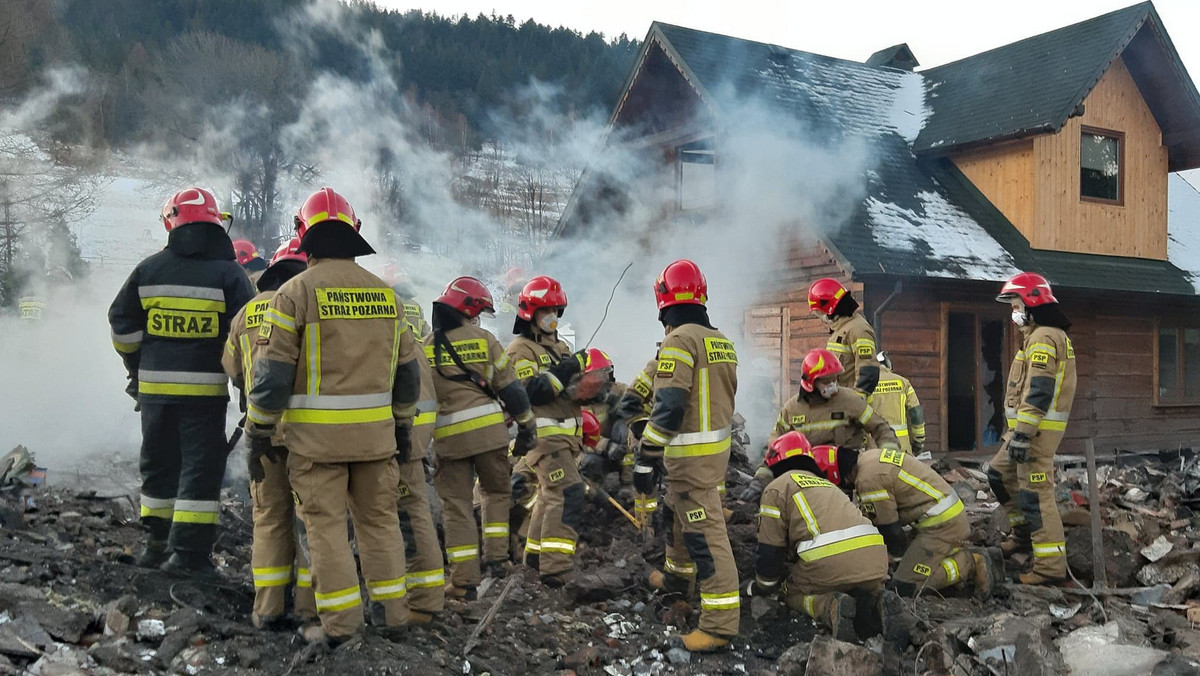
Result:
976,310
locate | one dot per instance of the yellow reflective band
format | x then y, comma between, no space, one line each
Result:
772,512
498,529
312,341
920,485
533,546
303,578
1049,549
187,516
342,599
705,404
425,579
841,547
127,348
562,545
726,601
651,434
866,416
806,512
387,589
157,512
1027,418
276,576
837,348
823,425
427,418
646,504
628,460
1016,519
316,416
258,416
809,605
277,318
1042,347
502,362
183,389
1054,425
464,553
951,569
177,303
676,353
945,516
684,570
468,425
874,496
901,433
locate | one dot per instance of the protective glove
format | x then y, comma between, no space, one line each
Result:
592,467
569,367
403,442
753,491
132,390
261,447
526,440
648,470
616,452
1018,448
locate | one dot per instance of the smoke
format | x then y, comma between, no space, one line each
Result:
775,179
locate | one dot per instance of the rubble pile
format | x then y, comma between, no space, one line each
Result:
72,602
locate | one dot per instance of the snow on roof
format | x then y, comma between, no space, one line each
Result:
1183,227
941,232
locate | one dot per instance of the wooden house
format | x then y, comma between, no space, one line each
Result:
1056,154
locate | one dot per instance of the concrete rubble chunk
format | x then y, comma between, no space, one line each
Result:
831,657
1156,550
23,637
1099,651
1023,642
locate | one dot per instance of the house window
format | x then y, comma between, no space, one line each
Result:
1101,160
1178,365
697,175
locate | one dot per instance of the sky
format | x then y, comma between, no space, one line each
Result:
938,31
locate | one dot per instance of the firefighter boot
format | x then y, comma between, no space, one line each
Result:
455,593
1019,541
698,641
189,564
153,555
496,569
672,584
896,618
419,618
839,617
989,572
1032,578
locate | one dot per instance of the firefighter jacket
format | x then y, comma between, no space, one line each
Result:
557,416
243,331
414,315
893,486
171,317
853,341
470,420
1046,388
1016,380
605,409
809,528
844,420
895,399
336,363
426,414
638,398
694,386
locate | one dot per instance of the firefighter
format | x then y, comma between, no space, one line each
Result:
400,282
169,322
475,384
895,490
546,366
631,412
424,575
277,558
249,259
851,337
337,365
1041,387
600,392
895,399
690,432
825,413
835,561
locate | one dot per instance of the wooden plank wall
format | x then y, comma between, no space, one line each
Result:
1004,174
1061,221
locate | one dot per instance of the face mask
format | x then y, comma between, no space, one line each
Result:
474,321
1018,317
548,323
828,391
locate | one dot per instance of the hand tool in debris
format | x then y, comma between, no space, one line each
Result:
236,436
604,494
491,615
610,300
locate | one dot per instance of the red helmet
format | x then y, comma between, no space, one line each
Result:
818,363
467,295
591,429
515,277
245,250
289,251
193,205
1030,287
824,294
325,205
789,445
597,360
827,460
681,283
540,292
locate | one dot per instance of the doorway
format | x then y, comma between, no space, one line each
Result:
974,381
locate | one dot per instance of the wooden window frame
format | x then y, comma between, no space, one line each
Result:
677,150
1180,366
1120,138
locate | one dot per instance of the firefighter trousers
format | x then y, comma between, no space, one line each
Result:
324,491
425,578
277,557
524,496
814,600
557,514
698,549
182,464
935,558
455,483
1026,491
